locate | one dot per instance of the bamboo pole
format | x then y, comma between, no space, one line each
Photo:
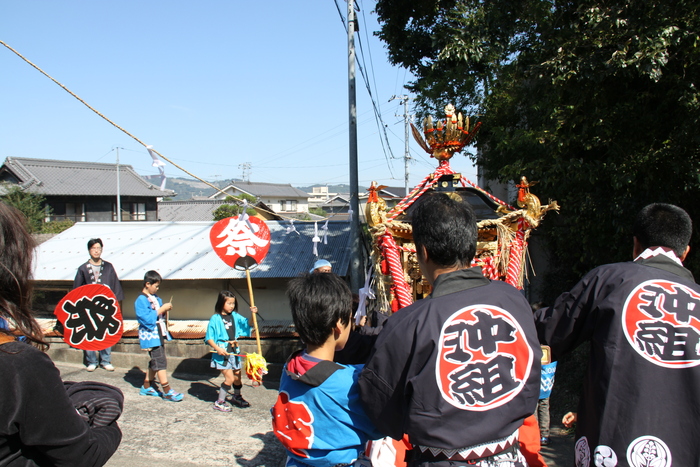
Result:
252,304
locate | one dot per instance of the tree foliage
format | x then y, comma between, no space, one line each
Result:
234,208
597,101
29,204
318,212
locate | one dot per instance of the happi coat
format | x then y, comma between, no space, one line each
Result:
457,369
641,395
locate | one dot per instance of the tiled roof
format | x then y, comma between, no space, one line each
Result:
193,210
53,177
182,250
267,189
196,210
389,192
394,191
337,201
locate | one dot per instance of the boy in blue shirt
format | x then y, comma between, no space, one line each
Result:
153,332
318,416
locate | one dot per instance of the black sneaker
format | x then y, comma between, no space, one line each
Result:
238,401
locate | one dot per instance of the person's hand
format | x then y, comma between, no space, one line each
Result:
569,419
221,351
166,307
363,320
253,309
234,344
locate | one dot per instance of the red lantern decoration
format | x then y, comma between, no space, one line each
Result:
240,242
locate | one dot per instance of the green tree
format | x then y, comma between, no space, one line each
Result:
231,210
55,227
318,212
598,101
29,204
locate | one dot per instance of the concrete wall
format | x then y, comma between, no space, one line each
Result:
195,299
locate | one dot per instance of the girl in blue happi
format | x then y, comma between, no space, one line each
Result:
224,329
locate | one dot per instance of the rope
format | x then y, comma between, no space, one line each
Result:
401,287
515,262
465,181
443,169
218,190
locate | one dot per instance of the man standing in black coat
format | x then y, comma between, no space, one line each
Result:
458,371
641,393
98,271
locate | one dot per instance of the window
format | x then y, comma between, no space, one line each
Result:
130,212
138,211
288,205
75,212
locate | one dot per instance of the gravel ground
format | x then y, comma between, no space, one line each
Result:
188,433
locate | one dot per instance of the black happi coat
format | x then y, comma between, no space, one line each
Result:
641,395
456,369
108,277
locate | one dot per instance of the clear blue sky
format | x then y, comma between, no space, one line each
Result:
211,85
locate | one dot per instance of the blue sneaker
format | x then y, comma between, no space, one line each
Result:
172,396
149,392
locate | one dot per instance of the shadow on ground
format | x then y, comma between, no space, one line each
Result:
204,391
192,369
135,377
271,452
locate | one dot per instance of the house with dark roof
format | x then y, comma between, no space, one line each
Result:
282,198
86,191
391,195
202,210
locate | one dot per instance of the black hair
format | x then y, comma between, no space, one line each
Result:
151,277
92,241
318,302
221,301
16,254
446,228
666,225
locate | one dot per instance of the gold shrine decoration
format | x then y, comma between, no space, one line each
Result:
444,138
501,242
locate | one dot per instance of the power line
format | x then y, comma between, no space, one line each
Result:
378,116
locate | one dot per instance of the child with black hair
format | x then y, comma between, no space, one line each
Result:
318,416
223,331
153,332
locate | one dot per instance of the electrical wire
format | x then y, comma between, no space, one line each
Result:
380,121
218,190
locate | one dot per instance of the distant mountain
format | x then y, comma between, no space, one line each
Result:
187,188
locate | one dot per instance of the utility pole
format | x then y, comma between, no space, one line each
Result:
406,119
119,202
356,268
